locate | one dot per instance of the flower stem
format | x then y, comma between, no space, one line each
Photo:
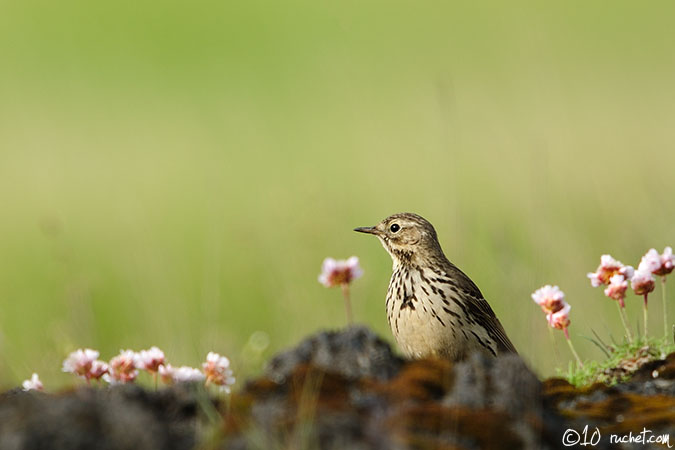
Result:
574,352
348,304
644,315
665,309
555,346
624,320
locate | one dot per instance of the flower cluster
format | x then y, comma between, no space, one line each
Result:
339,272
182,374
150,360
217,371
617,289
667,262
652,264
550,298
124,368
33,384
616,276
608,268
642,282
552,302
85,363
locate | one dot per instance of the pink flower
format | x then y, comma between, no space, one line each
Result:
34,384
642,281
80,361
550,298
667,263
561,318
617,288
650,262
552,302
607,269
218,372
122,368
150,360
186,374
336,273
166,373
97,370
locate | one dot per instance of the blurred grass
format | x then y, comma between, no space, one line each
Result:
174,174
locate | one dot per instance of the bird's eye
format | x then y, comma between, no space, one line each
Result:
394,227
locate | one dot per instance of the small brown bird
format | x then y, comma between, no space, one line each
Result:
433,308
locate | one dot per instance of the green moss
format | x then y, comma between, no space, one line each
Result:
623,360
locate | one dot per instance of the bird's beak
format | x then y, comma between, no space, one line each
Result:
369,230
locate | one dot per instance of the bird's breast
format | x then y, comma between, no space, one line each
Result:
421,313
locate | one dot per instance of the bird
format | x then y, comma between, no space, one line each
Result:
433,308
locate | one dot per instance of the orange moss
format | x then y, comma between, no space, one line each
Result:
424,427
420,381
624,412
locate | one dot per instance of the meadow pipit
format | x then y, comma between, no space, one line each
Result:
433,308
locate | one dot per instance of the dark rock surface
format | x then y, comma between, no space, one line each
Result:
355,352
120,417
347,390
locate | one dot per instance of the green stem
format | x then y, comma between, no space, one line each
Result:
555,346
665,308
348,304
574,352
644,315
624,320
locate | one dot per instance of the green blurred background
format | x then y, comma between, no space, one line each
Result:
173,173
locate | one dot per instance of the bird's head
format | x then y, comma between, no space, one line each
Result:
405,236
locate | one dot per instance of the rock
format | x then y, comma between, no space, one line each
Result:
505,384
347,390
645,402
354,352
390,404
116,418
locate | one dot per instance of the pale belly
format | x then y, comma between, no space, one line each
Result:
420,335
428,324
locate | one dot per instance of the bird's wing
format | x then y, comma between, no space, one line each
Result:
480,309
488,320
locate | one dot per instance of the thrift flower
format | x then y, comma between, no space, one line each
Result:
560,320
550,298
217,371
80,362
166,373
98,369
607,269
617,291
642,284
122,368
150,360
34,384
667,263
341,273
335,273
650,262
552,302
617,288
642,281
186,374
